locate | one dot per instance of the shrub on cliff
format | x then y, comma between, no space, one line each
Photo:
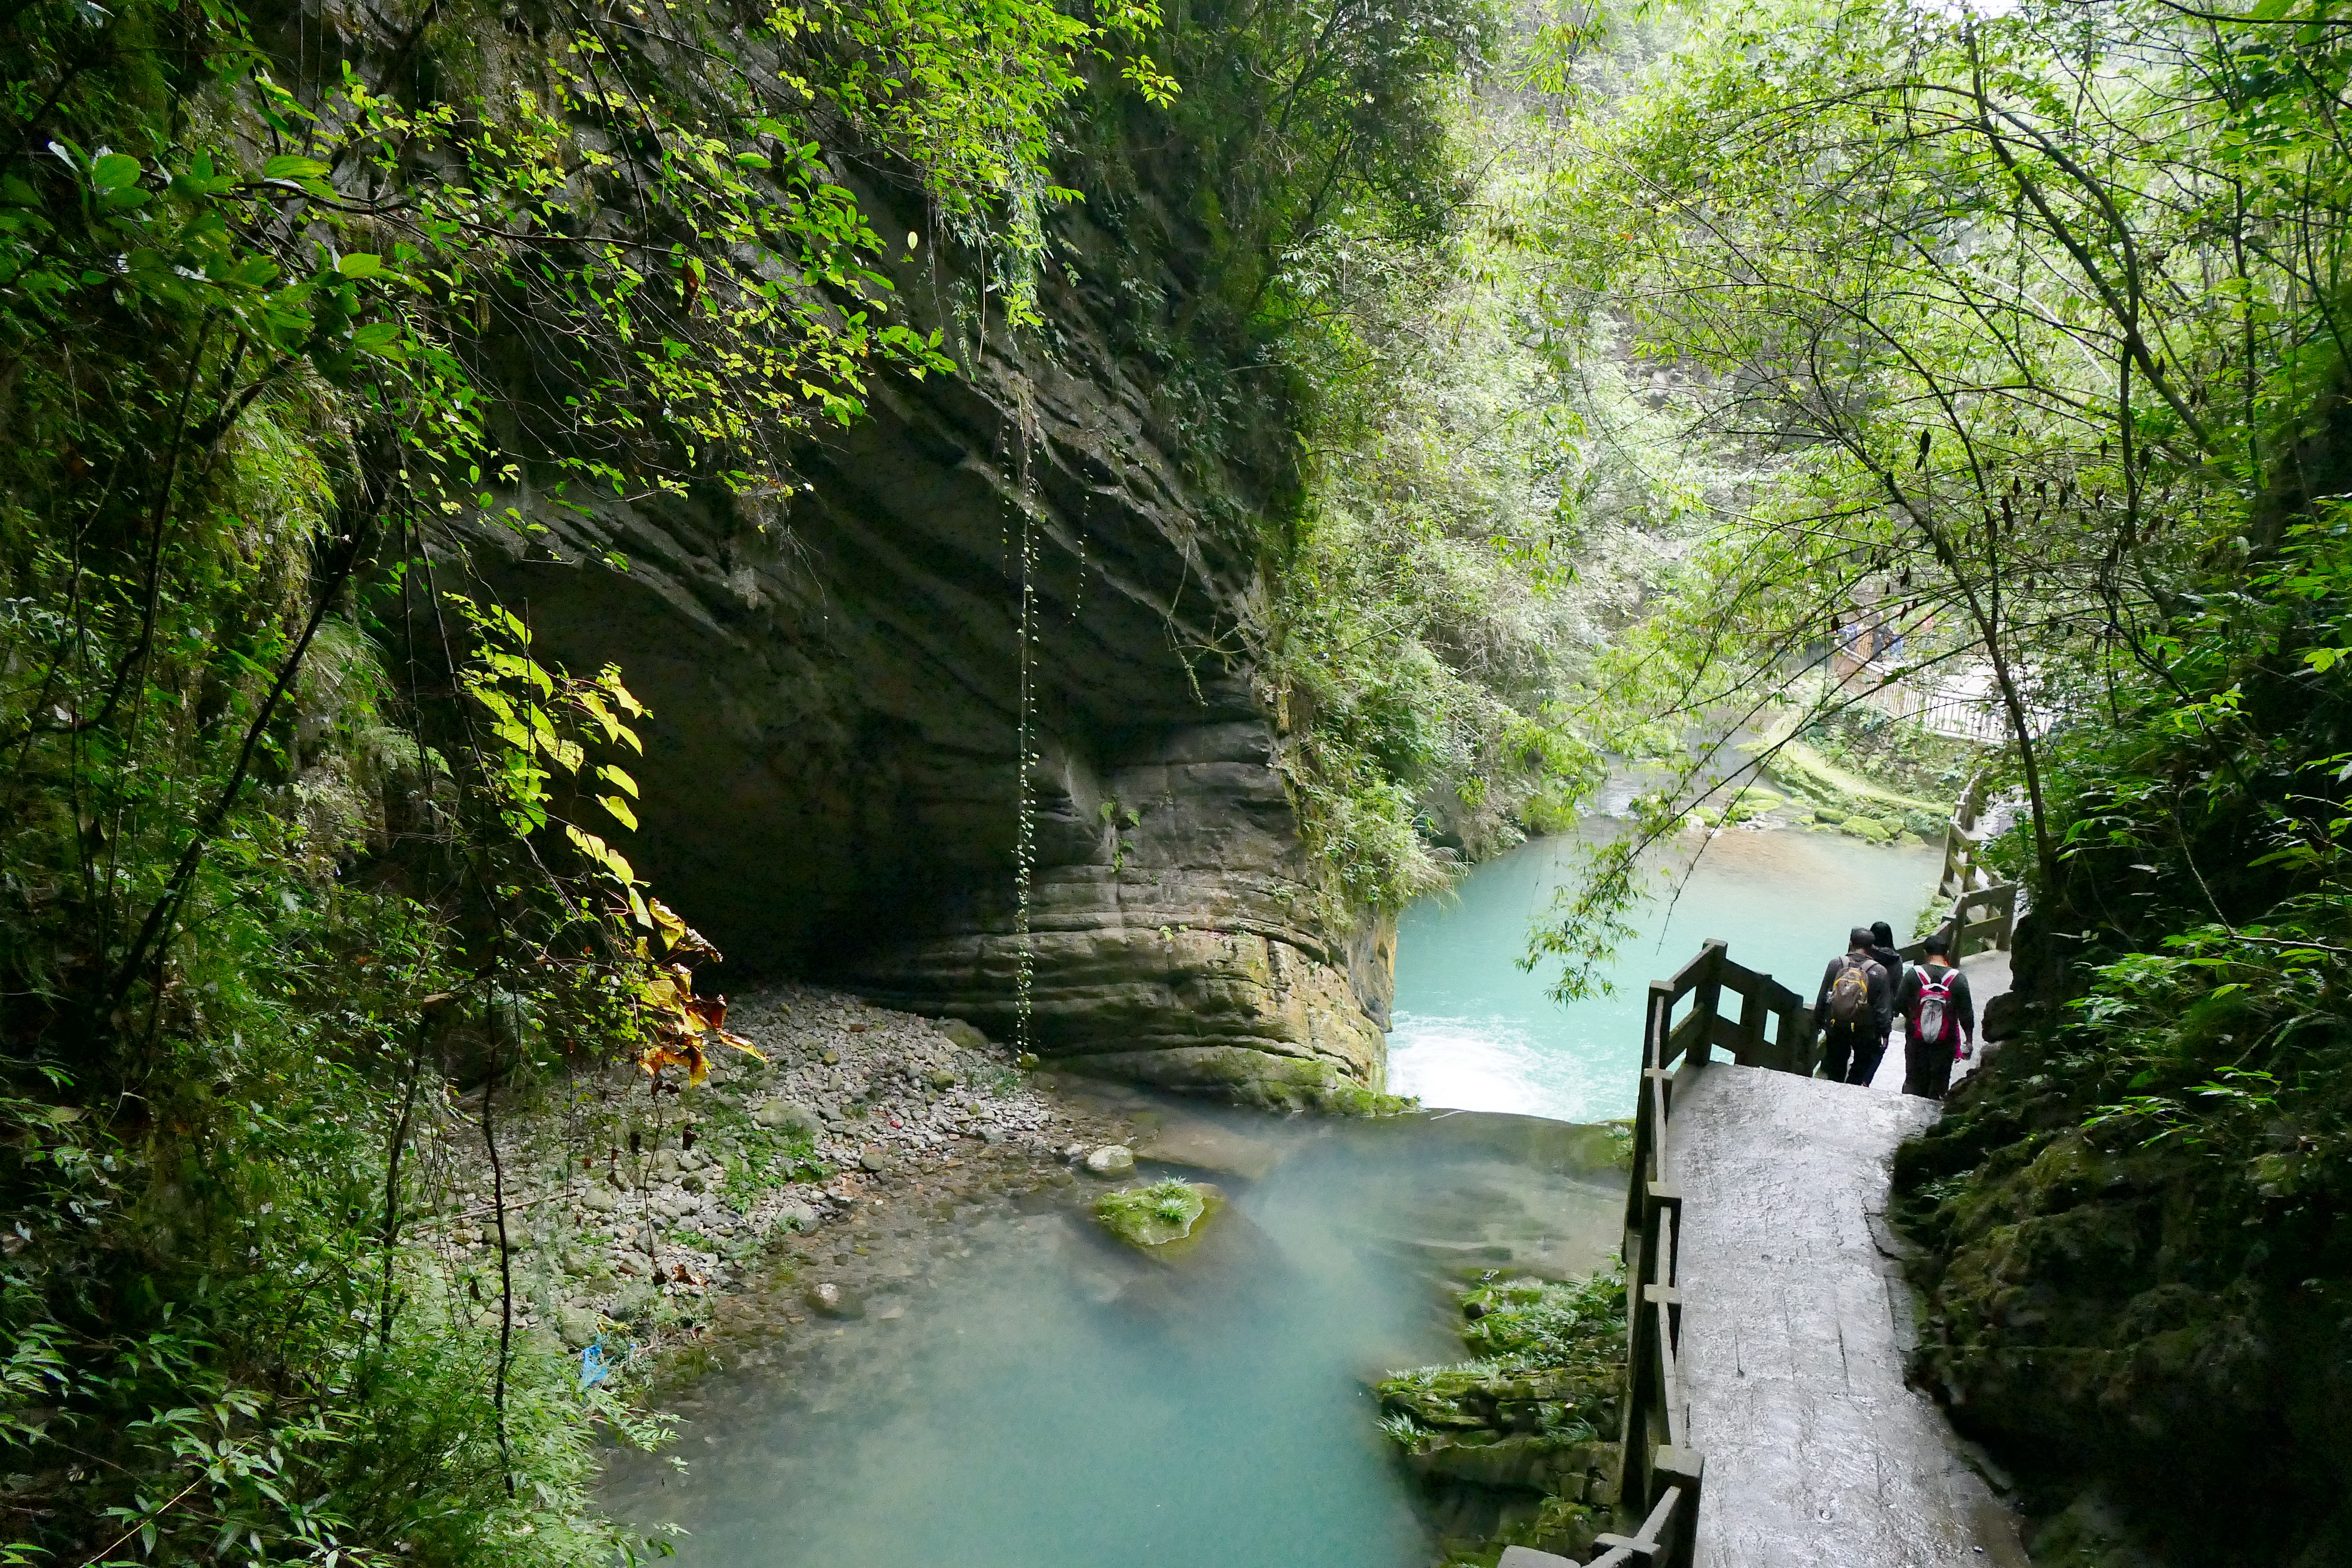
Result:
2137,1214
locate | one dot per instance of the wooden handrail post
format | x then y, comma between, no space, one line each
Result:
1751,1023
1680,1470
1709,998
1641,1374
1657,1024
1646,1132
1643,1389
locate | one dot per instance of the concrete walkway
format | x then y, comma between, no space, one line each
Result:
1795,1324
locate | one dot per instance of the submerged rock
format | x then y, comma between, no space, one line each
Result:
1111,1160
830,1301
1208,1146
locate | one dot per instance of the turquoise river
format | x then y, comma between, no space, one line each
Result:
1039,1397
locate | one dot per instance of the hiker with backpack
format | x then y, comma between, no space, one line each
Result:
1939,1020
1854,1012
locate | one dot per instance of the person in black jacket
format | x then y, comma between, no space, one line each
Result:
1855,1018
1927,1051
1883,954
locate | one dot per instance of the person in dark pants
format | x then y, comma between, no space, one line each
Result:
1883,954
1853,1012
1939,1020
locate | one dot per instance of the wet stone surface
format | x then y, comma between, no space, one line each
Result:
1796,1321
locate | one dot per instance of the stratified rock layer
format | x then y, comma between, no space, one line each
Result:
830,780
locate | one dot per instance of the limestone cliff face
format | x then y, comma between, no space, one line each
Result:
830,778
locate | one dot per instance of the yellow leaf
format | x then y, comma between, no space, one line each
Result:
619,780
620,809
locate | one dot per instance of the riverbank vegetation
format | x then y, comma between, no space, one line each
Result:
302,832
1611,375
1515,1447
2032,321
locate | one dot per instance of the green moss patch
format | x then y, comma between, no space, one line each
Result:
1529,1422
1155,1215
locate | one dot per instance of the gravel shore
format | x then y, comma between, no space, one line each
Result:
631,1213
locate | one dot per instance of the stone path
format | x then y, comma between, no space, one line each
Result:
1795,1325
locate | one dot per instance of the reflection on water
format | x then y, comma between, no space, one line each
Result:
1049,1399
1473,1029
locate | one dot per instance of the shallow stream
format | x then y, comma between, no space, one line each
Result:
1033,1395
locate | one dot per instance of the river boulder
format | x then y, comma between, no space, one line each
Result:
1111,1160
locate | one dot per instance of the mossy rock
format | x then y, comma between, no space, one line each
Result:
1490,1396
1869,828
1831,815
1160,1215
966,1035
1514,1461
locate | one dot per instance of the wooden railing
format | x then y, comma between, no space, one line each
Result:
1981,920
1984,912
1964,843
1662,1472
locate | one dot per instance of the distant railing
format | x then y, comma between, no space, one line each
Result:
1662,1472
1958,701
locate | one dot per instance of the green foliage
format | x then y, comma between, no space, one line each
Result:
763,1161
2004,336
1485,492
1904,757
279,334
2017,337
1539,1322
1547,1383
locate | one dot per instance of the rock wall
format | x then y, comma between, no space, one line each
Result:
830,778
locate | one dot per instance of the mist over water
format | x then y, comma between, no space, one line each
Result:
1044,1397
1031,1393
1473,1030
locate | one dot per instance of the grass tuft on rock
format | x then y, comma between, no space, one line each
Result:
1155,1215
